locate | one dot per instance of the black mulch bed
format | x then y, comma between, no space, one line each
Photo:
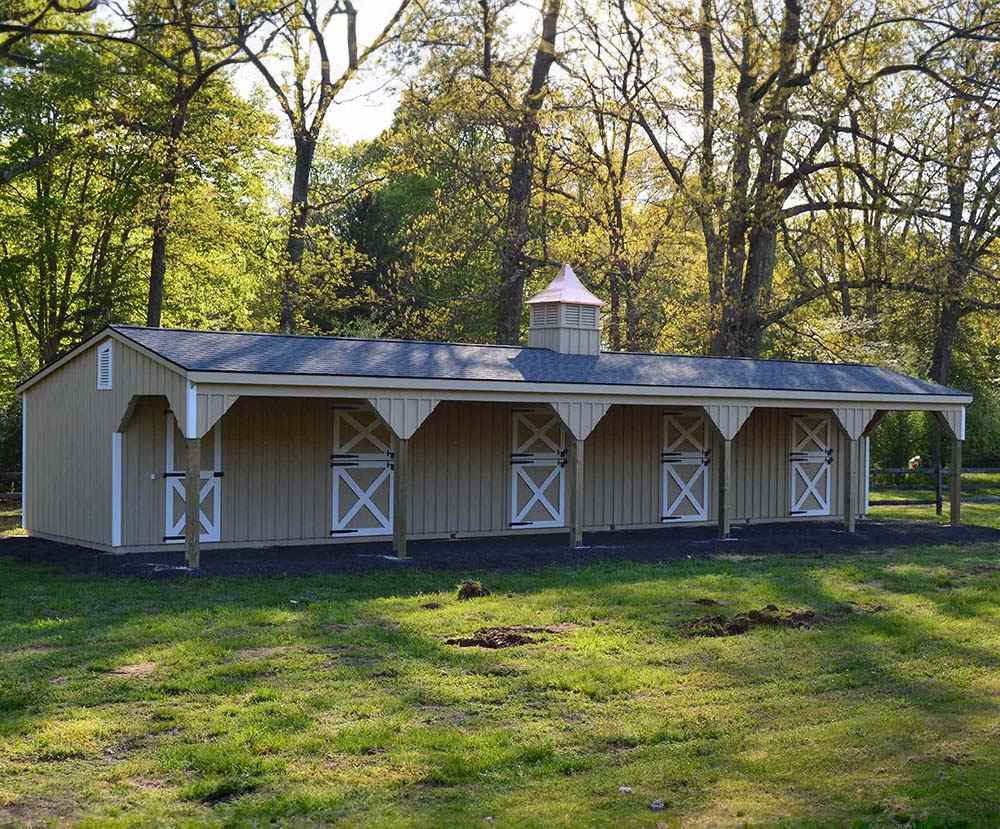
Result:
508,552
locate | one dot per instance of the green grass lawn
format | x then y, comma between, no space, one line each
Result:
334,699
920,487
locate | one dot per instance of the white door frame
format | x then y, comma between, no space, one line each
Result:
674,456
820,483
343,460
521,458
211,485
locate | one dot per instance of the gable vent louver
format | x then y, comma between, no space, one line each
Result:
104,367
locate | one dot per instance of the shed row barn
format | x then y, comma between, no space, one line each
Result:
298,440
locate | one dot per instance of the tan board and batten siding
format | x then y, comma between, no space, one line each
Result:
68,438
277,486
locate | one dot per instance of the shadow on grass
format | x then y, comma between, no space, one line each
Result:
348,677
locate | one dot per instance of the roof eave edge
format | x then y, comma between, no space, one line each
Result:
407,384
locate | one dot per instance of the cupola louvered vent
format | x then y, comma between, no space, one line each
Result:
545,315
565,317
104,367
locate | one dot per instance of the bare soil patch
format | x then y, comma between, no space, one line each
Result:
137,670
471,590
507,637
771,616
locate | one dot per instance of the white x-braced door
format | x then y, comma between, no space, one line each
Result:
362,462
537,467
685,464
810,459
210,496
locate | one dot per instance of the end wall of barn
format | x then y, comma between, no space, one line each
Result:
69,438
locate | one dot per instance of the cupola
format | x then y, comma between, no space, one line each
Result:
565,317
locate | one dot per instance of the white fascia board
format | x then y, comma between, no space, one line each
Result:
519,390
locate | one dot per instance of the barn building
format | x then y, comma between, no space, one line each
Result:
284,440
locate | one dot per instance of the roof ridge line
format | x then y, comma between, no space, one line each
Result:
322,337
279,334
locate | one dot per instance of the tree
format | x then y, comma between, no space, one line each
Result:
301,31
744,130
522,134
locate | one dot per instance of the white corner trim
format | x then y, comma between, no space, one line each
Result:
24,461
191,418
116,489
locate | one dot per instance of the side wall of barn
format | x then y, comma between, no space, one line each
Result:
68,437
277,479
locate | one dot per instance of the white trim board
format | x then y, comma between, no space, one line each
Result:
116,489
283,385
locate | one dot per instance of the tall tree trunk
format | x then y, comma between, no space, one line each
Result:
523,138
305,150
161,220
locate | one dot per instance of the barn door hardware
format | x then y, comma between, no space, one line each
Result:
684,461
810,459
362,463
537,461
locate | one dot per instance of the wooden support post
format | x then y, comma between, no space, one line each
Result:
576,492
400,494
851,485
725,476
938,468
956,482
192,504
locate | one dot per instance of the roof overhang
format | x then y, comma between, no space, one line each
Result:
325,384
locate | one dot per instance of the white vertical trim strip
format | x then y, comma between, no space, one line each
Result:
116,489
24,460
191,420
868,473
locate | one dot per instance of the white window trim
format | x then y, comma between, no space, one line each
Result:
106,348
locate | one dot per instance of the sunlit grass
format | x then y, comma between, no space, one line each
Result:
921,488
334,698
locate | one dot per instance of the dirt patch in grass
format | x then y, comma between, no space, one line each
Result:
771,616
139,669
38,811
506,637
471,590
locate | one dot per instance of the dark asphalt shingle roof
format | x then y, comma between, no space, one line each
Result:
280,354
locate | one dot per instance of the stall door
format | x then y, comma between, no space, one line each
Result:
210,497
537,467
684,475
811,458
362,473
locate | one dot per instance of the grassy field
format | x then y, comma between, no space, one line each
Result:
920,487
304,702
